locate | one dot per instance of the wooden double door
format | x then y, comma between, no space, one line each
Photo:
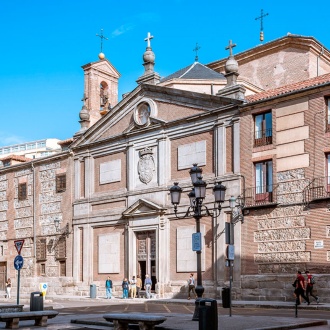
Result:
146,256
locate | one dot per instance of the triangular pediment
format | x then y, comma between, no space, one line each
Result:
103,66
171,105
143,207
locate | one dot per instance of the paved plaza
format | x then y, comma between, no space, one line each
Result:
85,313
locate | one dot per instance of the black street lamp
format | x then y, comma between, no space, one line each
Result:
197,210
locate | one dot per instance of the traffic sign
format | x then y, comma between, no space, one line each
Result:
230,252
18,262
19,245
197,242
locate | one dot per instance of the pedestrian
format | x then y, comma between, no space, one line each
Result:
309,288
191,286
138,285
125,286
147,285
300,288
133,287
8,288
108,288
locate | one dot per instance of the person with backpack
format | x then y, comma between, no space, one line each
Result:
191,286
309,288
108,288
125,286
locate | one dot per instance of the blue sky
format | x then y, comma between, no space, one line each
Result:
44,43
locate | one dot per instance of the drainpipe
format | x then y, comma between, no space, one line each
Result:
34,213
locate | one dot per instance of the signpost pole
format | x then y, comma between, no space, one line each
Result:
18,285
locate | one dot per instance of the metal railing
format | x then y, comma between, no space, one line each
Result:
263,137
319,188
262,195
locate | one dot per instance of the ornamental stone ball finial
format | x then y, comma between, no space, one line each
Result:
231,64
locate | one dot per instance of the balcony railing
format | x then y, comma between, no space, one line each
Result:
263,137
318,189
260,196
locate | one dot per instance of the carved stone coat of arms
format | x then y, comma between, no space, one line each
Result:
146,165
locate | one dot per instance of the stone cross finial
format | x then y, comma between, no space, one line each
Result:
230,47
149,37
101,37
196,50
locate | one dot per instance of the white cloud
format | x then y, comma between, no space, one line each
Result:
122,29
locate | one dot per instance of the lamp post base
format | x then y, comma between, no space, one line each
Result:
199,291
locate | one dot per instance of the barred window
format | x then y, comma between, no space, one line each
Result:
22,191
42,269
60,183
62,268
41,250
60,252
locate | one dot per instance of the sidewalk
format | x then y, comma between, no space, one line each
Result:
178,321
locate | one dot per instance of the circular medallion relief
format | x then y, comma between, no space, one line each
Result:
142,113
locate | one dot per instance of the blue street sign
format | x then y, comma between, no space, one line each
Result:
18,262
197,242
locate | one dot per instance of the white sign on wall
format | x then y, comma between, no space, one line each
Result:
186,258
109,253
318,245
189,154
110,171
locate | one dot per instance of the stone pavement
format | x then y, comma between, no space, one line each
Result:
174,321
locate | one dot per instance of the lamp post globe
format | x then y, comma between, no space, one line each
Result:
219,192
195,172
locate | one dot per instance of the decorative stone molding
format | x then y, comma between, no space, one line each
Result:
327,234
23,223
50,166
3,185
3,177
286,222
50,208
24,232
49,196
267,247
23,172
3,195
3,216
283,257
282,234
23,212
4,206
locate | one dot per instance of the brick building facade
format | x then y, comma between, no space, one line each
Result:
109,190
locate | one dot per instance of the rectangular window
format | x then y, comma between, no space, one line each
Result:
22,147
60,251
264,181
42,269
263,129
22,191
62,268
60,183
41,250
6,150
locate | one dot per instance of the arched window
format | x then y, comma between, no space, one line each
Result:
104,95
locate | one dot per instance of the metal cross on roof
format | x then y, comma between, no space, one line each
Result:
261,17
230,47
149,37
102,37
196,50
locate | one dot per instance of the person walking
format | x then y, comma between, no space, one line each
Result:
8,288
125,286
108,288
309,287
133,287
138,285
147,285
191,286
300,288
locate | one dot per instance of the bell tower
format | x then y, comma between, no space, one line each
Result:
100,88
